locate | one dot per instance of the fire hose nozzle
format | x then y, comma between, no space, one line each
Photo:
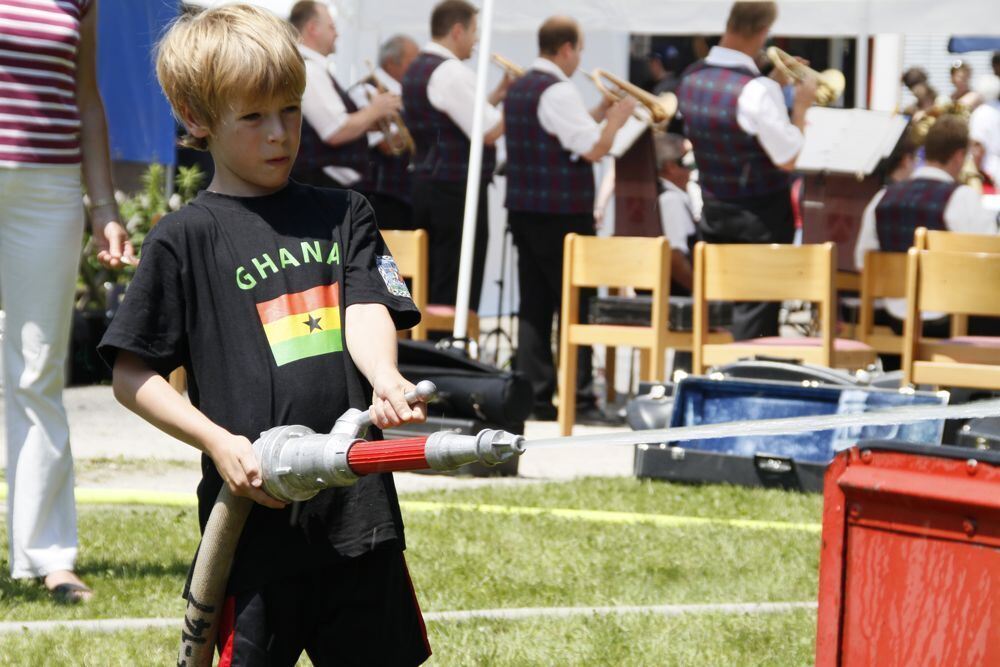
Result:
447,451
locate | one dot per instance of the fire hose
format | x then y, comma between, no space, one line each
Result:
296,463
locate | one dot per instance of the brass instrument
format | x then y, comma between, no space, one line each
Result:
923,120
830,83
512,69
660,108
398,139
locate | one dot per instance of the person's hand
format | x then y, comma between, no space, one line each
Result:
599,213
620,111
805,92
384,104
389,406
783,79
235,460
111,243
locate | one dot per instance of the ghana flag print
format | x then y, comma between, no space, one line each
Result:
303,324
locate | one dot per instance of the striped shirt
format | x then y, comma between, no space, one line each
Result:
39,118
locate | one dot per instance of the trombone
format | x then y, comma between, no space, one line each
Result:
659,109
397,139
830,83
511,69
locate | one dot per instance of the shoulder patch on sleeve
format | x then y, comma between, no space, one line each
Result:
390,276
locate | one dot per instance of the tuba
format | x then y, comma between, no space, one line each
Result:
660,108
511,69
829,83
398,139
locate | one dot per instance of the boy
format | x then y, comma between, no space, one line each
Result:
281,301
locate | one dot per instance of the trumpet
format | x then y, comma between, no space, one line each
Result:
660,108
398,139
829,83
512,69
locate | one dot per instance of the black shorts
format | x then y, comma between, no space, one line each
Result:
360,611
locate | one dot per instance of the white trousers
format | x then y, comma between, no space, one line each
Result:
41,232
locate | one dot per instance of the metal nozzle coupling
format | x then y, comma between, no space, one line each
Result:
448,451
296,463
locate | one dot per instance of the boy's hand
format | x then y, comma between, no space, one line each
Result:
389,406
235,460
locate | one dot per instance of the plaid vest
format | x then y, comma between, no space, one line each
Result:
315,154
442,147
541,177
393,175
731,163
919,202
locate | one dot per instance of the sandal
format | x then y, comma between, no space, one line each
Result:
70,593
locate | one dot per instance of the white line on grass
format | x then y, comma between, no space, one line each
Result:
118,624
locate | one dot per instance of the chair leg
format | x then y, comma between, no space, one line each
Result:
610,395
567,388
473,327
658,364
645,368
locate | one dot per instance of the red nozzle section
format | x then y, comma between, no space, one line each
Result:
367,458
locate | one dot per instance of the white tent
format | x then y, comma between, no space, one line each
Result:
364,24
796,17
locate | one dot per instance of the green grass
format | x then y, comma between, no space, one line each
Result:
641,639
136,560
644,496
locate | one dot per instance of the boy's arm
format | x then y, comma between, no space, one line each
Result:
371,341
146,393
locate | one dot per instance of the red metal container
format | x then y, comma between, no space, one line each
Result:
910,567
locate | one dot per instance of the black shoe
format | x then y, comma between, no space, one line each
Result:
595,416
543,413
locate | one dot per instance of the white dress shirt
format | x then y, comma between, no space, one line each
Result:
964,212
760,109
452,91
323,109
676,216
362,93
563,114
984,128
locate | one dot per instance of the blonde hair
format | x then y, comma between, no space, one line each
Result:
211,60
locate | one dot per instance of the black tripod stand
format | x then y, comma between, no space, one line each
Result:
498,333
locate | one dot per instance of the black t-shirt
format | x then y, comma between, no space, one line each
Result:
249,295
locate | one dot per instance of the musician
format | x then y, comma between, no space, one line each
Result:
334,147
674,164
984,129
931,198
392,180
552,141
926,97
745,145
438,95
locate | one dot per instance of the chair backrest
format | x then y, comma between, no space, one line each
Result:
962,283
724,272
932,239
409,249
617,261
752,272
883,276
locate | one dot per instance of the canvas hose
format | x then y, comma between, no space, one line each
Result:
218,546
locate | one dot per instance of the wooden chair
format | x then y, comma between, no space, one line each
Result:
957,283
883,277
409,249
932,239
750,272
618,261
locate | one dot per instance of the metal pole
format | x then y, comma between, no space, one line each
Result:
474,177
861,63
